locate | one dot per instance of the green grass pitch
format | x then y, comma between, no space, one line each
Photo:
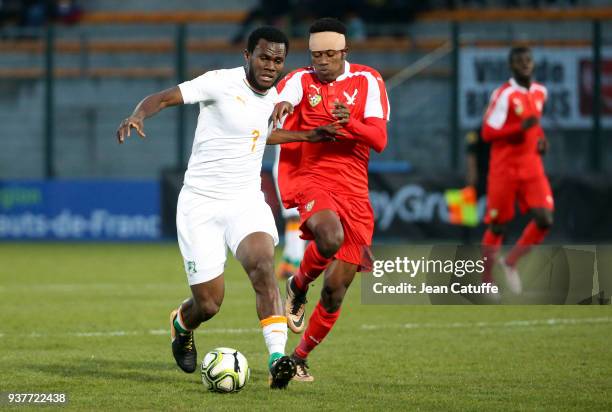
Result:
91,320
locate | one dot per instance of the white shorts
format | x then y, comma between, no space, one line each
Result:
205,226
286,213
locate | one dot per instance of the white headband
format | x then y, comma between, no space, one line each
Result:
326,40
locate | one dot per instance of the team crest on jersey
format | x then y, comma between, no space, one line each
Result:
493,213
191,267
310,205
314,100
518,106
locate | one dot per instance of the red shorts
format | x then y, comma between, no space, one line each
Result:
356,216
503,192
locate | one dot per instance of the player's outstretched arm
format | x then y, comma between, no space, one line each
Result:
147,108
320,134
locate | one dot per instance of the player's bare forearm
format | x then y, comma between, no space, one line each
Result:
320,134
152,104
280,136
147,108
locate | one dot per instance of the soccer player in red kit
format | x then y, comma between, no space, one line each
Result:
516,173
328,182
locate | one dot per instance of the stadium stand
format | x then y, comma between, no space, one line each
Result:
94,63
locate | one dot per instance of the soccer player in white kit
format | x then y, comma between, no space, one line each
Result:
221,203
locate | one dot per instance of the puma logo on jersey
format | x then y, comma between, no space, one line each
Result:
350,100
518,106
318,89
241,100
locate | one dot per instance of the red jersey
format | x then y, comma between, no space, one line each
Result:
341,166
513,150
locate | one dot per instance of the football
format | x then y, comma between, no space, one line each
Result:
225,370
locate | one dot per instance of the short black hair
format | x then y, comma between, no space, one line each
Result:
328,24
269,33
517,50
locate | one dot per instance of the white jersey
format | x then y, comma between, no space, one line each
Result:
231,134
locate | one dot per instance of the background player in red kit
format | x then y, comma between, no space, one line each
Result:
516,173
329,182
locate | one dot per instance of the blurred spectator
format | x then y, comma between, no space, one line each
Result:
269,12
356,27
360,16
68,12
394,14
455,4
364,18
541,3
9,11
36,13
305,12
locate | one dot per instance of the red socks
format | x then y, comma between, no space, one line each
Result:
319,325
532,235
313,263
491,243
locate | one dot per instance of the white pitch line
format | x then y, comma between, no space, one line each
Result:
212,331
98,334
508,324
364,327
77,287
154,332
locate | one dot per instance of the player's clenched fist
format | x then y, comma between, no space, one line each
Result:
126,125
341,112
